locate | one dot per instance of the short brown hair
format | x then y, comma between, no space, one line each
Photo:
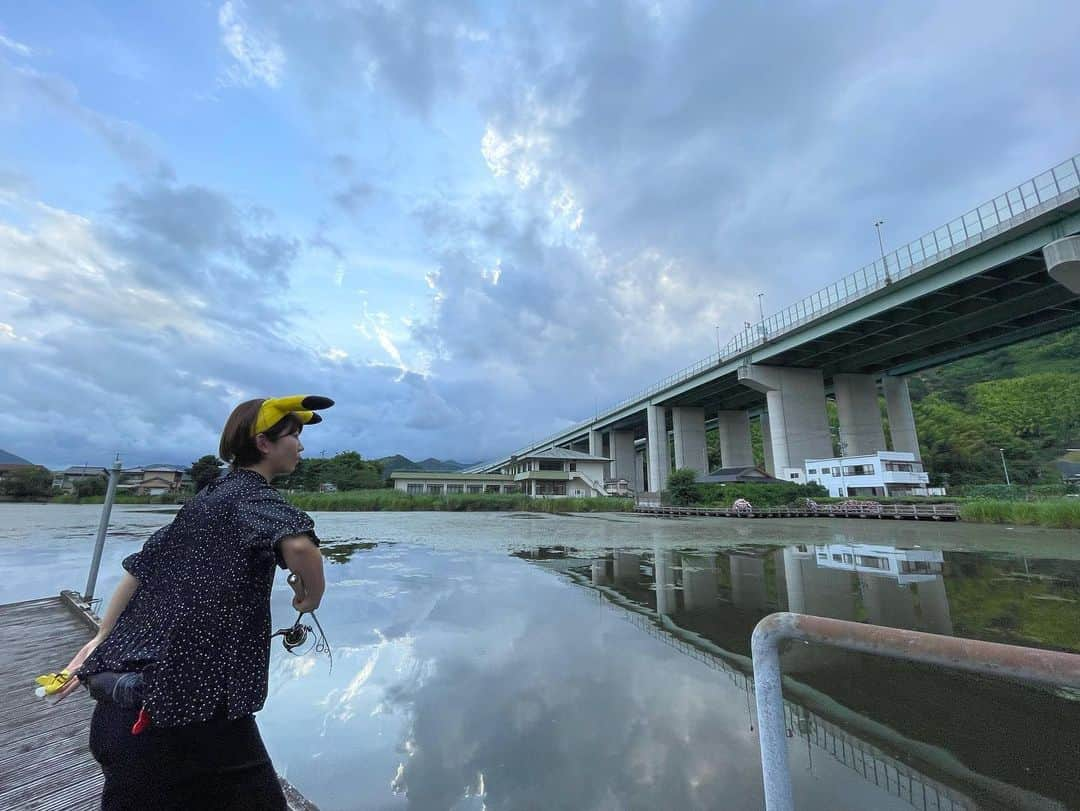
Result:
238,446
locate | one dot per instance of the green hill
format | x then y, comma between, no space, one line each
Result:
399,462
1023,398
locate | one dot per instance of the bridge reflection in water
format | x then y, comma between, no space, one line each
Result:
934,739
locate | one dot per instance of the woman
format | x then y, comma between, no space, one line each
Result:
181,661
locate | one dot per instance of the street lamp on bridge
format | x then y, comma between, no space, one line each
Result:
881,246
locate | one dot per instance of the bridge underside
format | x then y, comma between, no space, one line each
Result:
1006,304
1010,303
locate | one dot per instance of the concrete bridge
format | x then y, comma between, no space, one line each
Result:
976,283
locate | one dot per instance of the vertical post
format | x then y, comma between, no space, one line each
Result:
772,732
103,526
1005,467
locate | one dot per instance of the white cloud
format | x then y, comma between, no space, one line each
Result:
7,332
17,47
258,57
334,354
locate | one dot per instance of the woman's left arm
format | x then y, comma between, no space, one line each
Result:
305,560
121,597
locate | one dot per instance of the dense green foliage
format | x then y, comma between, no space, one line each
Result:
346,471
397,501
90,486
760,495
204,470
1024,398
27,482
682,489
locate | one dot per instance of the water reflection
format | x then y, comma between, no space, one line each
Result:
1013,742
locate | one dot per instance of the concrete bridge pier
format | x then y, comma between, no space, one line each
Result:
659,456
766,442
733,428
596,448
860,415
901,417
690,447
798,425
623,456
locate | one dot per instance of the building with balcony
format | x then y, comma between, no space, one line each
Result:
153,480
884,473
558,473
65,480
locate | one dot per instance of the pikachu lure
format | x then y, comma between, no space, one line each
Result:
51,683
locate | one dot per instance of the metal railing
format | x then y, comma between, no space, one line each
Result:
1010,661
866,759
1007,210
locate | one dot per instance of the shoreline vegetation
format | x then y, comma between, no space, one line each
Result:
1048,512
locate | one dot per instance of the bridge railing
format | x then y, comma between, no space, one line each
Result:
982,222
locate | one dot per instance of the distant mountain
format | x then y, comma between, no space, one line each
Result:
11,459
399,462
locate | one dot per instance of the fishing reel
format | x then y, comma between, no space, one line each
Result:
297,635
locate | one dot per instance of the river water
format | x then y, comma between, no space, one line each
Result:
509,661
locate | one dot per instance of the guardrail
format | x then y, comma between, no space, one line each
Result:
1008,209
650,505
972,655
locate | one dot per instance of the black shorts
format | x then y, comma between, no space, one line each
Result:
218,764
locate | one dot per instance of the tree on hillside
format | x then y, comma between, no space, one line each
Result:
347,470
27,482
204,470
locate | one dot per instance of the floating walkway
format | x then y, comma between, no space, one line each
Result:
45,760
903,512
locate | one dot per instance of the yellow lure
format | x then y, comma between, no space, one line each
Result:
51,683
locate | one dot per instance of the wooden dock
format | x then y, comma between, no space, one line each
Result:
902,512
45,760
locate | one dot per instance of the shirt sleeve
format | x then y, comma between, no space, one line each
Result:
268,519
141,563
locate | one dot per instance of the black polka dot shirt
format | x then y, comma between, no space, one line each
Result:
198,625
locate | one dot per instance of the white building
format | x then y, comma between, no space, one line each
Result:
904,565
416,482
885,473
552,473
558,473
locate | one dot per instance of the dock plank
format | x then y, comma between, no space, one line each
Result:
44,757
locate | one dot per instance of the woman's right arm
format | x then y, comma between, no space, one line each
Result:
305,560
121,597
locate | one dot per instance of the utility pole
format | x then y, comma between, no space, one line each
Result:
1004,466
761,312
881,246
717,343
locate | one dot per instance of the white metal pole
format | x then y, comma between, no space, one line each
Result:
1005,467
103,527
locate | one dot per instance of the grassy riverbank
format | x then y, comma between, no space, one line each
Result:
1063,513
1054,513
395,500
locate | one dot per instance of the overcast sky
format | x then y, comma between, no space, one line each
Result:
469,223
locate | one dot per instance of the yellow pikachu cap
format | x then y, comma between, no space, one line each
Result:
301,406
